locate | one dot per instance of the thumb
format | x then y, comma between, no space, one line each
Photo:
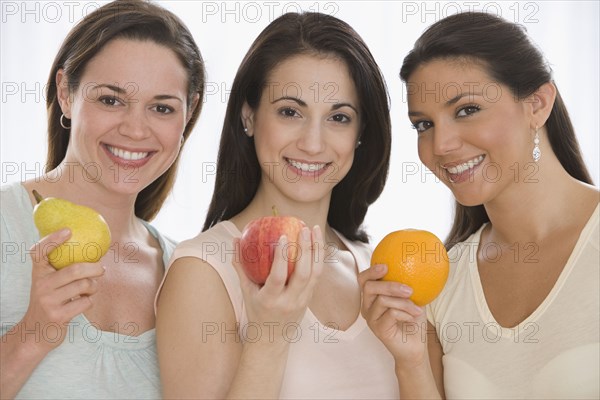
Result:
374,273
39,251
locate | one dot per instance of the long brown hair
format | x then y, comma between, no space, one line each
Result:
130,19
509,57
238,171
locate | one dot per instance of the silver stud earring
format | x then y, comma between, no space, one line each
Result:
358,144
537,153
246,130
62,123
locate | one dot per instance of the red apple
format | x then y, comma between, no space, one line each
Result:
258,242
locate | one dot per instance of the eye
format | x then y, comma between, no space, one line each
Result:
110,101
163,109
422,126
341,118
288,112
467,110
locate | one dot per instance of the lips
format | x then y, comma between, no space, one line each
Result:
127,155
306,167
459,172
127,158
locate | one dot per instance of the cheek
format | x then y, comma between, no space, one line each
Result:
424,150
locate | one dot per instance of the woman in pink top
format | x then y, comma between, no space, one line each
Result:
307,129
519,315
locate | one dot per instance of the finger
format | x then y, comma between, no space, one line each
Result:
77,272
76,306
279,269
317,256
303,269
383,303
39,251
372,289
387,288
392,319
79,288
318,243
374,273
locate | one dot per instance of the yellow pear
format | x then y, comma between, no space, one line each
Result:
90,235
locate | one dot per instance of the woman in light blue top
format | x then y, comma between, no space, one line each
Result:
123,96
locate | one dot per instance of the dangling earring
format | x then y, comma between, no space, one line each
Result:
62,122
537,153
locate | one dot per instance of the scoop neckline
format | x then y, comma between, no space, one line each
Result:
357,325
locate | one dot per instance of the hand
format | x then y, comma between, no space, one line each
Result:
393,317
57,296
275,305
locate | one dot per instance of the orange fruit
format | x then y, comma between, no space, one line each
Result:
416,258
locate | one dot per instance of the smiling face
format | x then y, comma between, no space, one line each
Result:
305,128
127,115
473,133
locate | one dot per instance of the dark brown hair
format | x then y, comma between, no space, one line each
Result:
129,19
238,171
510,58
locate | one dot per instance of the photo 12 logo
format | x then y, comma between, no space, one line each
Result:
257,11
428,12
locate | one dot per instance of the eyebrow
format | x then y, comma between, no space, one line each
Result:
302,103
123,91
449,102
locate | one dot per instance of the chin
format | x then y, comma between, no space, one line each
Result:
468,200
122,188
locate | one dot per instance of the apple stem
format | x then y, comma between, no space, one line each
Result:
38,197
275,212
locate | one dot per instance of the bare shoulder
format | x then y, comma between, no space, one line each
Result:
197,340
189,279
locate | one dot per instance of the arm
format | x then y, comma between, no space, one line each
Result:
197,340
50,303
200,352
402,327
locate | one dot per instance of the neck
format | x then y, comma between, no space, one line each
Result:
312,213
530,210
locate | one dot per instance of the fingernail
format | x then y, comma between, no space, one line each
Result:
379,268
406,290
318,233
64,232
305,234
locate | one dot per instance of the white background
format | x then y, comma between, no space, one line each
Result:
32,32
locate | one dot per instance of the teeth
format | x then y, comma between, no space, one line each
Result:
127,155
306,167
459,169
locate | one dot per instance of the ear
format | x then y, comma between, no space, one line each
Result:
541,103
62,93
195,103
248,119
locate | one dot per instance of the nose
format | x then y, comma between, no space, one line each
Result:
311,138
446,139
135,124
